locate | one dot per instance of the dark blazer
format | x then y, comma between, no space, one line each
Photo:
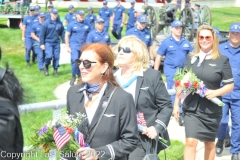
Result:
152,98
116,135
11,140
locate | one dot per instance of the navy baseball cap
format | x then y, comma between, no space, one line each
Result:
142,18
99,20
41,14
50,6
81,12
70,7
197,5
105,2
217,32
54,11
89,9
37,7
31,8
235,27
132,2
176,23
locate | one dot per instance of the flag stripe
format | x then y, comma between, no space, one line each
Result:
61,137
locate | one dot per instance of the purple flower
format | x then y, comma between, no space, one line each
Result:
43,130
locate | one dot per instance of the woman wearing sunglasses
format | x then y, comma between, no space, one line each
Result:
114,135
152,101
202,116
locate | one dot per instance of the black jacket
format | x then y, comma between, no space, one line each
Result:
116,135
152,98
11,140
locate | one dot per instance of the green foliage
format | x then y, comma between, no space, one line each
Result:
174,152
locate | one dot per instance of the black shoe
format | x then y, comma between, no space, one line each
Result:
181,120
72,80
28,65
227,141
219,147
55,72
235,156
46,70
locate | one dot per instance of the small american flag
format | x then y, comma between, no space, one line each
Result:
61,137
140,119
81,140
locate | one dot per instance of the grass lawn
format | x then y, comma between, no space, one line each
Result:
39,88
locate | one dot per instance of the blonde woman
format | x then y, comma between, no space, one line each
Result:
148,90
201,116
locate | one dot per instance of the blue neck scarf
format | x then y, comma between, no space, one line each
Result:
128,83
90,88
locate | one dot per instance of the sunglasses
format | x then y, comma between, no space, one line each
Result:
125,50
143,23
32,10
207,38
86,63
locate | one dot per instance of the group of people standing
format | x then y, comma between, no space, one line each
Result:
117,133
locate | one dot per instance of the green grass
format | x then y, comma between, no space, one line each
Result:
39,88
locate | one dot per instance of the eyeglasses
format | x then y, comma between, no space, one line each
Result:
86,63
32,10
208,38
125,50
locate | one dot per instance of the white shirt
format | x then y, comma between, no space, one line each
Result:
132,87
91,110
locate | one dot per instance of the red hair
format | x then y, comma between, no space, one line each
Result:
104,55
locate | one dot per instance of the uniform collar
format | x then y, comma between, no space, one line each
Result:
136,29
230,48
177,42
100,32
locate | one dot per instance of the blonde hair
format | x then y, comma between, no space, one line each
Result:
139,48
215,51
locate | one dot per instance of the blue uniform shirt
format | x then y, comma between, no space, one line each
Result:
36,29
175,52
29,21
50,32
118,11
105,13
78,32
234,58
69,17
90,20
144,35
95,36
131,19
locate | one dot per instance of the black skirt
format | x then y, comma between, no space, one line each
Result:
201,126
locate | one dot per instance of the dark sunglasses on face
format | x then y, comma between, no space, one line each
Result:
86,63
125,50
32,10
143,23
208,38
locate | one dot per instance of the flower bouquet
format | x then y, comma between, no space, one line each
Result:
61,134
189,83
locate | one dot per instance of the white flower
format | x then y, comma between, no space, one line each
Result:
185,78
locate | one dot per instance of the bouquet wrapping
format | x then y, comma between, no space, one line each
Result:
189,83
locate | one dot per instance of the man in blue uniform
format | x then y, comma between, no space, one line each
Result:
131,16
231,49
26,34
196,16
99,35
50,42
90,19
37,10
70,16
35,34
118,20
47,15
106,14
143,34
175,48
76,35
